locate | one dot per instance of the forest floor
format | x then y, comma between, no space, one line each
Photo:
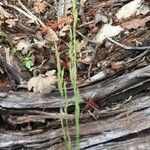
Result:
113,63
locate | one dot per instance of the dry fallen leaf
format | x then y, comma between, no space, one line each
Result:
40,6
107,31
4,14
24,46
51,35
135,23
129,9
42,83
1,22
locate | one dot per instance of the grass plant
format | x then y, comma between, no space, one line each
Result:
73,78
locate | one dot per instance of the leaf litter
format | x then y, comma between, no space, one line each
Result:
30,27
43,83
113,39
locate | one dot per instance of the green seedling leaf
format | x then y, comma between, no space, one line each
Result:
28,63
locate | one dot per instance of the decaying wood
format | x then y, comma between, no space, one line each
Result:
122,120
38,117
98,91
133,118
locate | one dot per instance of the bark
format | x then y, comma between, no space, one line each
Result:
33,120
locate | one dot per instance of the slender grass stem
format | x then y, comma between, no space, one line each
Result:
73,78
73,70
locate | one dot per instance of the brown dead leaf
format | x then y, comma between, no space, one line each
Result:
105,32
4,14
40,6
42,83
59,24
135,23
50,34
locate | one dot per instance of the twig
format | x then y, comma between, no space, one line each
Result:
33,16
25,29
82,15
89,71
94,54
20,10
91,63
86,23
27,13
88,40
128,47
117,43
136,59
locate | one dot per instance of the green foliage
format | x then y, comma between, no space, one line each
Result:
73,78
60,71
25,59
65,121
63,91
27,62
73,70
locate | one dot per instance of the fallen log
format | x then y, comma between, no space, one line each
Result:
133,118
42,113
98,91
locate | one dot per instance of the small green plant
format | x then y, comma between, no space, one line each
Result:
63,91
65,121
28,61
60,71
73,70
73,78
